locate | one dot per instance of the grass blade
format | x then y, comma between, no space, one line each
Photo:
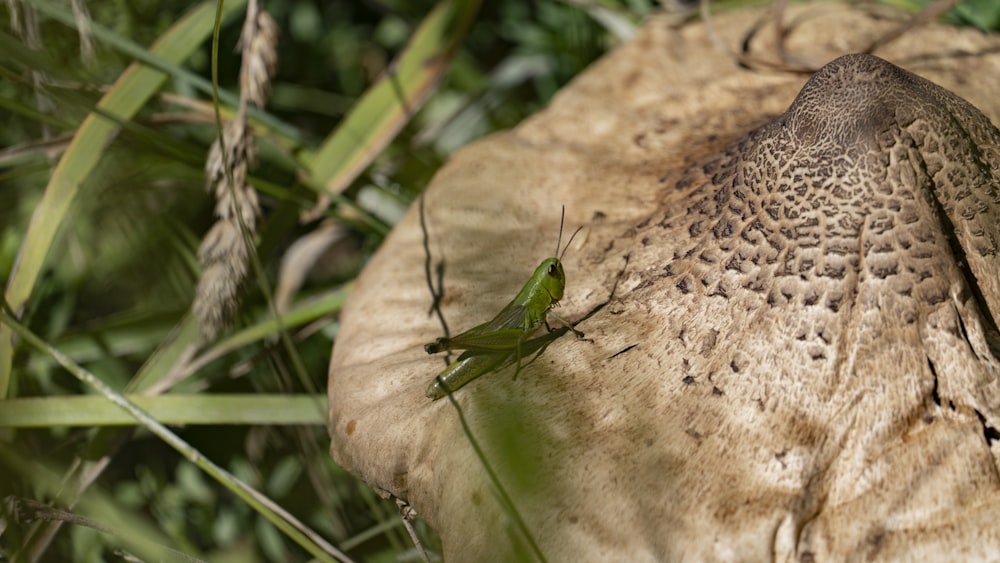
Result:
90,410
281,519
130,92
388,105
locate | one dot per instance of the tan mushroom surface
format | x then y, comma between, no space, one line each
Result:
791,285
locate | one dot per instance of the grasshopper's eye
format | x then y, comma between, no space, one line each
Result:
552,270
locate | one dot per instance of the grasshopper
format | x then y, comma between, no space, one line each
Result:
504,340
472,363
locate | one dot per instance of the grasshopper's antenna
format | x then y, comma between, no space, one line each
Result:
578,229
562,218
559,240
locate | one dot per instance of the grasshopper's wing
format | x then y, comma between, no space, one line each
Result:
504,332
497,341
513,316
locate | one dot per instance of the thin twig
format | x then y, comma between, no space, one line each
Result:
436,294
929,13
407,514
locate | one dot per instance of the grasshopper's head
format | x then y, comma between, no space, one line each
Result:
550,276
549,273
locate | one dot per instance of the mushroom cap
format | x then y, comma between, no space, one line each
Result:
791,301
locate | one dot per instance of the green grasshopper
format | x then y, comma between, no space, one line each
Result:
504,340
473,363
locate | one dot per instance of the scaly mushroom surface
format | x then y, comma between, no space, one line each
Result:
795,350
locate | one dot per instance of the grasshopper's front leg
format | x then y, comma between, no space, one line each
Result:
542,342
566,324
517,370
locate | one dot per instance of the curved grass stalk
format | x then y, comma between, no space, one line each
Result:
506,502
281,519
125,98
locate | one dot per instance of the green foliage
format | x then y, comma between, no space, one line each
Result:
983,14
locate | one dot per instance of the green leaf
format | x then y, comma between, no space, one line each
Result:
126,97
92,410
388,105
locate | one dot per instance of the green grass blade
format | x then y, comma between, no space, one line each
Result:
173,68
506,502
92,410
96,509
175,351
325,304
130,92
389,104
280,518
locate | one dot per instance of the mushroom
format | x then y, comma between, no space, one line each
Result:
791,314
